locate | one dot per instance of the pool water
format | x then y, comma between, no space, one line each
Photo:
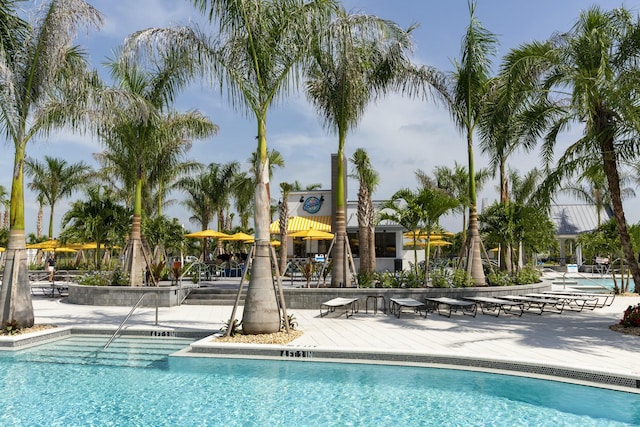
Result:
605,282
231,392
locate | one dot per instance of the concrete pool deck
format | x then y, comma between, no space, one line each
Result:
580,341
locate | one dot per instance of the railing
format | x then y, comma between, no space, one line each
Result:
115,334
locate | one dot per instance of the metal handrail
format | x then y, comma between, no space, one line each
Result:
113,337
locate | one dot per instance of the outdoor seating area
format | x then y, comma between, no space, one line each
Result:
535,303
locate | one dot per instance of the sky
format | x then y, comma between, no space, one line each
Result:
401,135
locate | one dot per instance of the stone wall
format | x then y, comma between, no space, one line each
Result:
125,296
305,298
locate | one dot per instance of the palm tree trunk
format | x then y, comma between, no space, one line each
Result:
474,257
613,179
16,306
135,259
51,222
261,310
340,268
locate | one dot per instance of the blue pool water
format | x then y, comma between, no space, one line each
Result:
230,392
606,282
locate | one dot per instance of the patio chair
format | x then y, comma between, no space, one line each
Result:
350,306
493,306
451,305
397,304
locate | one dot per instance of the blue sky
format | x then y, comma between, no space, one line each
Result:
401,135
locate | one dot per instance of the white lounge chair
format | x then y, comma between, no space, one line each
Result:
350,306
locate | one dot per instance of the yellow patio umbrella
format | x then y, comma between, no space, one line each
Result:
312,234
63,249
432,243
238,237
2,249
204,234
48,244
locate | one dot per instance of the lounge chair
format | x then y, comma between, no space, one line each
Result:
553,305
350,306
605,299
490,305
397,304
572,302
452,305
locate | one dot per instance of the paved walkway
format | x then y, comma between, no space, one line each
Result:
571,339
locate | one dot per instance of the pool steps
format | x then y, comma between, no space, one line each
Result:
135,352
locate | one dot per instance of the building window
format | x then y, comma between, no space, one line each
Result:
354,244
385,245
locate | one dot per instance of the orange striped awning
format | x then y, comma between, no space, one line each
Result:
302,223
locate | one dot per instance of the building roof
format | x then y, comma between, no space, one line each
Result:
571,220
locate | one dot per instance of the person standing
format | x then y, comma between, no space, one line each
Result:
51,265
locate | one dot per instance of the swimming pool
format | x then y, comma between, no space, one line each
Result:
604,282
231,392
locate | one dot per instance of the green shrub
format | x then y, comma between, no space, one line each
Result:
528,274
119,278
95,278
461,279
440,278
500,278
366,280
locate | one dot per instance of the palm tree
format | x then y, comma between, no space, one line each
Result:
596,61
358,59
467,99
591,187
456,183
137,147
221,185
55,179
260,47
435,203
243,189
404,209
368,179
97,219
39,92
198,201
283,216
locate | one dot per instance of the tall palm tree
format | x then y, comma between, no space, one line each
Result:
39,92
467,99
136,147
358,59
55,179
368,179
13,29
260,47
596,63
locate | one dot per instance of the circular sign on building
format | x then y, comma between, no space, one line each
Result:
312,204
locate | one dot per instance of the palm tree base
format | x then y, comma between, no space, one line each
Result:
261,311
16,307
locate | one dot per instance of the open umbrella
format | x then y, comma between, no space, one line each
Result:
238,237
204,234
48,244
312,234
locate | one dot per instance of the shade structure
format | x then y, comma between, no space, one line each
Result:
204,234
2,249
422,235
301,223
238,237
432,243
311,234
48,244
64,249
